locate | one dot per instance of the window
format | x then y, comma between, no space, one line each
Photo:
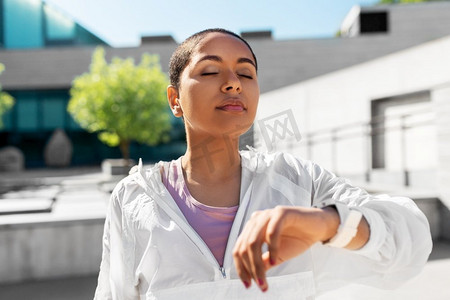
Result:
27,113
2,26
7,121
22,23
373,22
42,111
403,133
59,29
53,112
35,24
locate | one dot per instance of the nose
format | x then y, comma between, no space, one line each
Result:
231,83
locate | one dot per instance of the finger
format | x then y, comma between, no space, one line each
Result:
248,252
241,262
255,241
273,231
266,261
242,250
242,272
257,268
251,241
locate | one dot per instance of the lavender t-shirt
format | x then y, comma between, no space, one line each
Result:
213,224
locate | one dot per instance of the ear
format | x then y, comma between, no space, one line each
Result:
174,101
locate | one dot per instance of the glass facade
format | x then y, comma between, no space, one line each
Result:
31,24
36,114
57,26
27,112
22,24
33,119
36,111
34,24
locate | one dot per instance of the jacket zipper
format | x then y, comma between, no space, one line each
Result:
224,273
186,228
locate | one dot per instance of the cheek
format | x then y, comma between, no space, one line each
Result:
193,98
201,92
253,93
254,100
253,87
190,95
187,88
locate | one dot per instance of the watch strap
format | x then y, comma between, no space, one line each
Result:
347,230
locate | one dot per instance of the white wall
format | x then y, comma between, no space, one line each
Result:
50,250
344,97
441,101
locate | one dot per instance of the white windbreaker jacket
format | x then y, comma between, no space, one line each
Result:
151,252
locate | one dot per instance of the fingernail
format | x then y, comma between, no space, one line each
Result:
272,261
247,285
260,282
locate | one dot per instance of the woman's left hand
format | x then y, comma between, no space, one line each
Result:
288,231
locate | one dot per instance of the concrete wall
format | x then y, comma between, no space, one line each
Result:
50,250
344,97
57,67
404,19
441,101
418,18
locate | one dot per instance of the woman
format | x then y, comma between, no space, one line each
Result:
222,224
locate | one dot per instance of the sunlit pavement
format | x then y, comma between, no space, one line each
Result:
432,284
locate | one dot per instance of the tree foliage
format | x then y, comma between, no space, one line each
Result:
121,101
6,101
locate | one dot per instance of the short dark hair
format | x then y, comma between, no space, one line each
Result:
182,55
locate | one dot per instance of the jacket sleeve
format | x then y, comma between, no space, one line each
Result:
399,243
115,280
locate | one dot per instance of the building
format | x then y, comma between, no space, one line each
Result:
383,123
39,70
29,26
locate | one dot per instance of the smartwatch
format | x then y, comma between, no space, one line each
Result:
347,230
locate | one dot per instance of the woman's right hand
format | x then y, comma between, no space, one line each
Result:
288,231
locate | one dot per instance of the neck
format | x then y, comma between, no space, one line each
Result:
212,159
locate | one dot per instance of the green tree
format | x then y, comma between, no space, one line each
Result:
121,101
6,101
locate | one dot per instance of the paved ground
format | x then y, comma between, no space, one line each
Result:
433,283
81,288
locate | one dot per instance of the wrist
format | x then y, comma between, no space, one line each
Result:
347,231
332,220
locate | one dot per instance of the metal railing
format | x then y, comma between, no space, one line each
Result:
377,128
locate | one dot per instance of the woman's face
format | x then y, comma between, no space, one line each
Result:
219,91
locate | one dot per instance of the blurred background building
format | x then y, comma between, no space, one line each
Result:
383,120
371,104
44,49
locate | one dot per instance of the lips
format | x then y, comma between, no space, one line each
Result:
233,106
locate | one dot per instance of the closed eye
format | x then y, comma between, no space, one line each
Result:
209,73
246,76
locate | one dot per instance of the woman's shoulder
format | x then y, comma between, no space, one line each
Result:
139,180
260,161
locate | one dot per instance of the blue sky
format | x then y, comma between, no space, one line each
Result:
121,23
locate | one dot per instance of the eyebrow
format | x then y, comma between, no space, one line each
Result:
219,59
